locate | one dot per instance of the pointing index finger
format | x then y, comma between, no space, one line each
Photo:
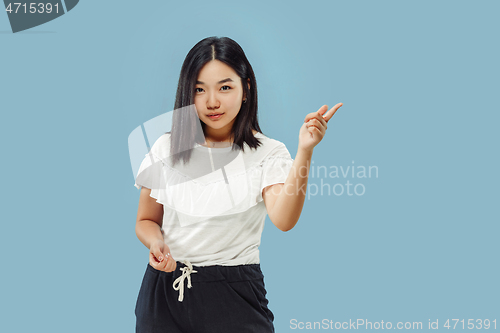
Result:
327,116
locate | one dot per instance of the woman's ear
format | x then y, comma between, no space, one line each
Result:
244,93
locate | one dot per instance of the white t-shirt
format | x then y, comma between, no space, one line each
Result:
213,208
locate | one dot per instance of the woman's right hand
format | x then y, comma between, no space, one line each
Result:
160,258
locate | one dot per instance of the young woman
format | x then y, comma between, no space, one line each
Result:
206,188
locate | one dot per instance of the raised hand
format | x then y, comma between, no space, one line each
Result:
314,128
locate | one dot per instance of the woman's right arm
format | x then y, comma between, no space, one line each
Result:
148,230
149,219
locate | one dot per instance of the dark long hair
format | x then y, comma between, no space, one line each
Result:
184,135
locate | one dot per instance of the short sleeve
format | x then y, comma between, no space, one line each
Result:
150,174
276,167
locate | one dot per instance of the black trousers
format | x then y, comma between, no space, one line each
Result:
221,299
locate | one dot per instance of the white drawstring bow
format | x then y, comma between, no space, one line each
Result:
186,273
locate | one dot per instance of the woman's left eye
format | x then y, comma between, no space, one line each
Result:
228,87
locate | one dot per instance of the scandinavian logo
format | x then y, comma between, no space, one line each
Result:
25,15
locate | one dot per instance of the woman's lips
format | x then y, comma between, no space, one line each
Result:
216,116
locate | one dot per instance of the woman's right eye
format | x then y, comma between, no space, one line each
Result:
199,90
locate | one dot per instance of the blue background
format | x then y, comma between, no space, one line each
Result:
419,83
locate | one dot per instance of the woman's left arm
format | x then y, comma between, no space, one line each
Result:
284,202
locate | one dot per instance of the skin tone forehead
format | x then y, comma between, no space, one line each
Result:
215,71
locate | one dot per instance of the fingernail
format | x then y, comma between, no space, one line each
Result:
161,258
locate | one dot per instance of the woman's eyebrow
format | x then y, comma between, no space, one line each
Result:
221,81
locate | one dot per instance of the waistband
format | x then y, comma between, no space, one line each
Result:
216,272
196,274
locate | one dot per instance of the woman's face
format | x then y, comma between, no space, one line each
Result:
218,91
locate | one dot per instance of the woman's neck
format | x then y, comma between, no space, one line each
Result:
219,139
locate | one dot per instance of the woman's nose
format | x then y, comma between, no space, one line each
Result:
212,101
